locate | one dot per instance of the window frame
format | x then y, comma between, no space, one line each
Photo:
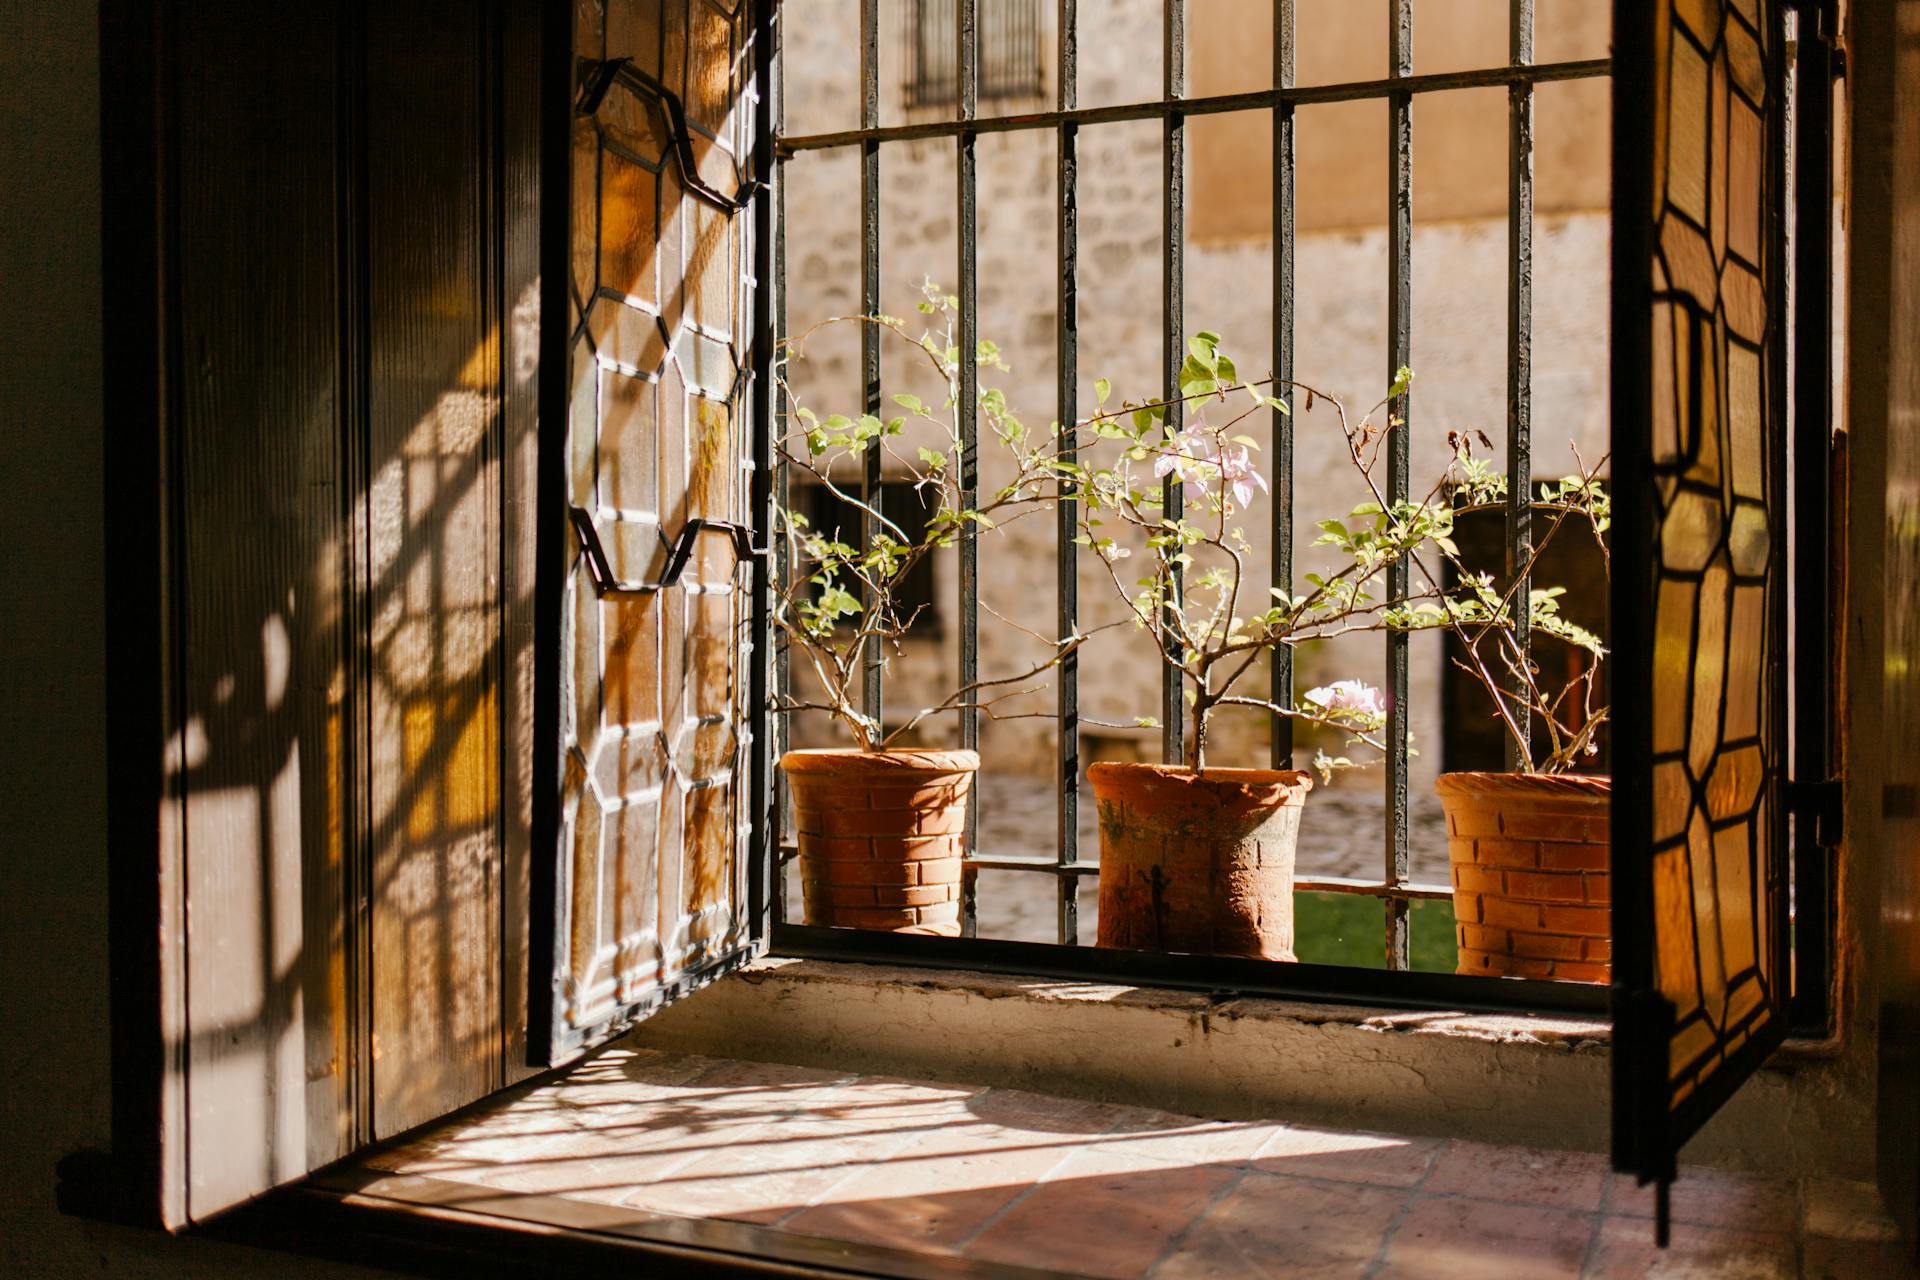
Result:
1396,985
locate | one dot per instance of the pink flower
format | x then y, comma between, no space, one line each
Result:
1349,700
1196,455
1239,474
1190,455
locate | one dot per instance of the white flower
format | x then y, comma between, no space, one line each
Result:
1349,700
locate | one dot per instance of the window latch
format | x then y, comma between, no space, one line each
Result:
1823,803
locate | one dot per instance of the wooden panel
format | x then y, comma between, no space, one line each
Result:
255,721
433,544
520,292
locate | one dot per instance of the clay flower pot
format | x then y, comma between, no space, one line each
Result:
1531,893
881,836
1198,862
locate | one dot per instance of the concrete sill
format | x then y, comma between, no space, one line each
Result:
1537,1080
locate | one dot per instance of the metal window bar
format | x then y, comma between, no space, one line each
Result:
871,692
1397,89
1066,409
966,36
1281,668
1399,458
1009,65
1173,322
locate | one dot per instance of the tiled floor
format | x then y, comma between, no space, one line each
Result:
1093,1189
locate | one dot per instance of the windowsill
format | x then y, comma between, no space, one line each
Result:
1540,1079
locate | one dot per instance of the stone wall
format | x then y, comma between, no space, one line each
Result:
1459,317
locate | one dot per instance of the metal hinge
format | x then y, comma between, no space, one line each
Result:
1824,802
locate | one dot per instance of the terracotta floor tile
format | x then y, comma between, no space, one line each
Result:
1039,1113
1845,1210
1272,1227
1716,1198
1444,1238
517,1130
1101,1213
1162,1135
1379,1159
942,1187
1625,1250
1825,1259
627,1077
609,1156
1525,1175
766,1088
771,1173
875,1102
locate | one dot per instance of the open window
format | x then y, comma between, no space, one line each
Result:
512,861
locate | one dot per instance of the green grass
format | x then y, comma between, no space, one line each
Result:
1346,928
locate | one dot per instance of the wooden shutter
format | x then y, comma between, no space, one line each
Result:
323,232
653,609
1699,428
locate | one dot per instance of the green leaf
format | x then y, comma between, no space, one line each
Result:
1102,389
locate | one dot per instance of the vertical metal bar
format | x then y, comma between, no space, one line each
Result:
782,478
764,838
967,50
1280,691
1066,412
1812,517
1399,349
1640,1031
1173,320
870,699
1520,358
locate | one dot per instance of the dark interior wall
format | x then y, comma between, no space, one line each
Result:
53,438
1884,330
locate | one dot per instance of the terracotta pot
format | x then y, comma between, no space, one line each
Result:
881,836
1531,892
1198,862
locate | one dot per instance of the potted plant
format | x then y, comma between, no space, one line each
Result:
1529,848
881,826
1194,857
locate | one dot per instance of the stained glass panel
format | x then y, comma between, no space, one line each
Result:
652,894
1707,992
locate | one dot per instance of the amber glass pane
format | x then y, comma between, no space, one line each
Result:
1716,438
628,236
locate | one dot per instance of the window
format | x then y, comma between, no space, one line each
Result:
837,517
1010,52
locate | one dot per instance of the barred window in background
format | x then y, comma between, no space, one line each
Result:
1010,52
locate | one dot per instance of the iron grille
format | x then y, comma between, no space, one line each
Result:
1009,43
953,28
